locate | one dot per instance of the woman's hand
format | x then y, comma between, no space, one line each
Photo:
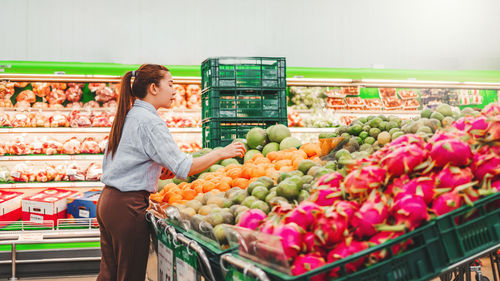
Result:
235,149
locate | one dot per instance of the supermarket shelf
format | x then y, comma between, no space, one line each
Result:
51,157
51,184
296,81
83,130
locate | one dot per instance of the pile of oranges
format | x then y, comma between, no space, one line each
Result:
236,175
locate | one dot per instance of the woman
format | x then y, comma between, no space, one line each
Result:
139,146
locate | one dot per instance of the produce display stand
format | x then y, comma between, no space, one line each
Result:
28,249
441,248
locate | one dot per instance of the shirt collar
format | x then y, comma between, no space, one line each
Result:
144,104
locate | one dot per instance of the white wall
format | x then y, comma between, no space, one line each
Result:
425,34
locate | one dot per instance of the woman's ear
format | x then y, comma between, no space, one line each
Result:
153,89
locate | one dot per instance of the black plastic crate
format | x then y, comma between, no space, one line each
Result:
236,103
221,131
244,72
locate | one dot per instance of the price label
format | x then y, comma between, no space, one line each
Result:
84,213
31,237
165,259
36,218
186,262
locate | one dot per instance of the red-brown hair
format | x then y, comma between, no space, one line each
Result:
144,76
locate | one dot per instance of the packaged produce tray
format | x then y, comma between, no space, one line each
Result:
244,72
221,131
411,104
236,103
387,93
374,104
335,93
406,94
470,229
355,102
350,91
336,103
422,260
392,104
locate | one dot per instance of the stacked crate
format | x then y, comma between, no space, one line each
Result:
239,94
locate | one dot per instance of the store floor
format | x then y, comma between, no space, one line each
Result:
486,271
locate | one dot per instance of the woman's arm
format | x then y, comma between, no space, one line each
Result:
204,162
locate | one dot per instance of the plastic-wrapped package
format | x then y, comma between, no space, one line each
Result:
94,172
103,144
104,95
4,174
89,146
73,173
18,147
52,147
58,120
71,146
91,104
41,89
74,94
56,96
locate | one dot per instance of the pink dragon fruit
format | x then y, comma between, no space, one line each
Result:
486,164
446,203
332,180
403,160
410,211
251,219
325,196
492,109
344,249
493,131
330,229
310,242
291,238
477,127
397,185
451,177
445,135
308,262
489,149
364,180
423,187
409,139
460,124
383,237
346,208
453,151
372,212
304,214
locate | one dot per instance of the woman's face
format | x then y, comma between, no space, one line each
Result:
165,91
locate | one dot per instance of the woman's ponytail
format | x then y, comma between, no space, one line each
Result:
125,100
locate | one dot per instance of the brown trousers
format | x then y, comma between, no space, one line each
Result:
124,235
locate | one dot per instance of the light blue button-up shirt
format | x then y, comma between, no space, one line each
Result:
145,146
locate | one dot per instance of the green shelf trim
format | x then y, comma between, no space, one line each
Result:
49,246
84,68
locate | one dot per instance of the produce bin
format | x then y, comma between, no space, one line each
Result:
236,103
221,131
470,229
422,260
244,72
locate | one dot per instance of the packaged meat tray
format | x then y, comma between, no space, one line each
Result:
406,94
350,91
335,93
387,93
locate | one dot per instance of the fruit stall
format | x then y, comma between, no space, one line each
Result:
349,174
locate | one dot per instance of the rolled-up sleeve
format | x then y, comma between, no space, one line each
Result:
162,149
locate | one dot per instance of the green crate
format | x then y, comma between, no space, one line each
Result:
424,259
244,72
235,103
471,229
221,132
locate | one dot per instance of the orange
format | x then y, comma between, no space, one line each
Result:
232,166
234,173
273,155
259,171
311,149
174,198
286,169
241,182
282,163
208,186
182,184
224,186
208,176
199,188
301,153
246,171
189,194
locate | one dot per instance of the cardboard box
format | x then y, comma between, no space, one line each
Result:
83,206
10,205
46,205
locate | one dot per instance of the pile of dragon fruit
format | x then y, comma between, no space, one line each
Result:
396,190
